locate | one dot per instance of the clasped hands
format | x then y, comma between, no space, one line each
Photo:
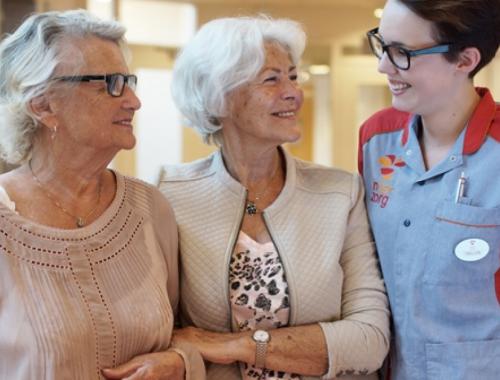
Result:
222,348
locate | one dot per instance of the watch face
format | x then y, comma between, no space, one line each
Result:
261,336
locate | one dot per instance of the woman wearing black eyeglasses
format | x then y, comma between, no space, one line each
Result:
430,166
88,257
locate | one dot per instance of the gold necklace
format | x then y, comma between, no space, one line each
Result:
251,204
80,221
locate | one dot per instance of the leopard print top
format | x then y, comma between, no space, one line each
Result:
259,295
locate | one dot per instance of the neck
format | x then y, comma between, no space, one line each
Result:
73,175
442,128
254,169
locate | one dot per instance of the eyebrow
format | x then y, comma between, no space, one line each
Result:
276,70
397,43
393,43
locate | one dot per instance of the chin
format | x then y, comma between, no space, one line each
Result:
296,134
289,139
129,144
403,106
292,133
294,138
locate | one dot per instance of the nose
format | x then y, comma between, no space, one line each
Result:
292,91
385,66
130,99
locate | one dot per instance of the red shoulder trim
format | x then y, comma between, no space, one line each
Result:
385,121
495,126
485,120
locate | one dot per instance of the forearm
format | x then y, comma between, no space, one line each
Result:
300,349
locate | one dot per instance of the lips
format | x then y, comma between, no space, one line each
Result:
398,87
124,122
284,114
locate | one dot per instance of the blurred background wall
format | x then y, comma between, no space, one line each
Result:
339,75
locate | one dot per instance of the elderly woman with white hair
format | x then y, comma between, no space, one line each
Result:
279,272
88,257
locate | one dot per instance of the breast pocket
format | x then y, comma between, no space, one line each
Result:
463,360
476,232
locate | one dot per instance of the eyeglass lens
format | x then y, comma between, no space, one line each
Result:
398,56
117,83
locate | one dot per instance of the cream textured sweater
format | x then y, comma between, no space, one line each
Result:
320,229
75,301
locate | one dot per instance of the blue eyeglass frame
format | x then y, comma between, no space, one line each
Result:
436,49
110,79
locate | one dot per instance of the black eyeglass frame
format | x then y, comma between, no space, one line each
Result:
110,79
436,49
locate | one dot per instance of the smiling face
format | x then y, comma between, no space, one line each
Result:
265,110
431,80
86,115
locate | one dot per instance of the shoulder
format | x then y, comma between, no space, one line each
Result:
157,213
385,121
187,172
322,179
144,196
135,185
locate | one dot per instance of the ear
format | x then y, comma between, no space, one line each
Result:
468,59
41,109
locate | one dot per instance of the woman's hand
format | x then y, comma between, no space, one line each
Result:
167,365
215,347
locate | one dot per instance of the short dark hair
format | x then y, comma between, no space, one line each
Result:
465,23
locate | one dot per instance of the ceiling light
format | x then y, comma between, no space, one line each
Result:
319,69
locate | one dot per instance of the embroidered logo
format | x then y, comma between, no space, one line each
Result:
381,191
387,164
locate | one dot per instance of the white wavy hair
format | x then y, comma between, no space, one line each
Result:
28,58
224,54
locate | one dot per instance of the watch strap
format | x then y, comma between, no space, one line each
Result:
260,354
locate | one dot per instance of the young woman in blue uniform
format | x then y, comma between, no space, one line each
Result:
431,167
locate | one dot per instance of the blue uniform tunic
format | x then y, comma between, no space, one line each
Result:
446,311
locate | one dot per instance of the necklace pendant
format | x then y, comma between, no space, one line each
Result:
250,208
80,222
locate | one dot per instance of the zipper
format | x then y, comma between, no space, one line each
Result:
228,259
284,262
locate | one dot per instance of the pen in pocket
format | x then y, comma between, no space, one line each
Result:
460,187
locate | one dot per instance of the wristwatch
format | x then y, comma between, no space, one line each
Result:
261,338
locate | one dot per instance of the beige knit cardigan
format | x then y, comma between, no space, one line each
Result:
320,228
73,302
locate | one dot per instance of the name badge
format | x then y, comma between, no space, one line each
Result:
472,249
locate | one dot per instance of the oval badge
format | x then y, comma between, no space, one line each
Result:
472,249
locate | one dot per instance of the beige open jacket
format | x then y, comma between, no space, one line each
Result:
319,226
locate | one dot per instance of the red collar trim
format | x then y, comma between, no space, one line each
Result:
406,132
480,122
